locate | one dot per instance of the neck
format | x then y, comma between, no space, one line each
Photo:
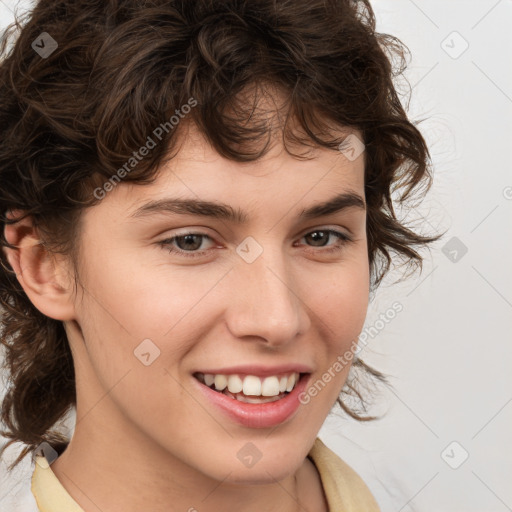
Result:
132,474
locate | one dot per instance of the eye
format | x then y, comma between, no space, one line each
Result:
319,237
189,244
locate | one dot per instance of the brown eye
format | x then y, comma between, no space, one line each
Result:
190,242
320,238
187,244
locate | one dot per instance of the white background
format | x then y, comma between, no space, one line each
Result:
449,352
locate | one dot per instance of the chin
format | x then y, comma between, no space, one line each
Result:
260,475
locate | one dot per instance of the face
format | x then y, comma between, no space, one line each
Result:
174,299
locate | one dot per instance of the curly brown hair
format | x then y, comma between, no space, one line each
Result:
72,117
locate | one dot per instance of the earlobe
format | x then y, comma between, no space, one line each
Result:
38,270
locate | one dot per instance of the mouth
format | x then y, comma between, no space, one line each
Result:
251,389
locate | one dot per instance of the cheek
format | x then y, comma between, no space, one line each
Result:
342,302
146,299
124,308
341,310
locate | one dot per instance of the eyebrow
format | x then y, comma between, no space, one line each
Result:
223,211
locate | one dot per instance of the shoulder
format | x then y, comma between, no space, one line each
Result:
345,490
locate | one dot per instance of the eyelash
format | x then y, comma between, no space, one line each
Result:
167,243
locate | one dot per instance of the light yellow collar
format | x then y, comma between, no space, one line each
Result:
49,493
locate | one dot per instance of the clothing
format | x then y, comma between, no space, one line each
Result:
344,489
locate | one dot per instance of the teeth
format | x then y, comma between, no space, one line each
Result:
251,385
252,399
270,387
220,382
291,382
259,400
235,384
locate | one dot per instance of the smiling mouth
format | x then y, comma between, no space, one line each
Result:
251,388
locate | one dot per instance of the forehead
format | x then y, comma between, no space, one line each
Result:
274,184
265,107
198,170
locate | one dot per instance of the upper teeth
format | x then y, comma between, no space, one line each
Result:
251,384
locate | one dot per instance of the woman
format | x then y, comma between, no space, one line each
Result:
195,205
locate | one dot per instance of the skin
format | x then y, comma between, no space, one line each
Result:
145,439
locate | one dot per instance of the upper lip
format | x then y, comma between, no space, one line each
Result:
259,370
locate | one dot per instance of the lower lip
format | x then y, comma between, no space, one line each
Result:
257,415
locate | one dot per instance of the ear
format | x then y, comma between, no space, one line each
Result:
44,276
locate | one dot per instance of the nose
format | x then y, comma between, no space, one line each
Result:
267,301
